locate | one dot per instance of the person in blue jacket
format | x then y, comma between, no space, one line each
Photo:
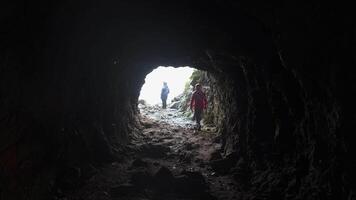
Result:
164,94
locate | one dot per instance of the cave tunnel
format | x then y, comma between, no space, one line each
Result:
71,73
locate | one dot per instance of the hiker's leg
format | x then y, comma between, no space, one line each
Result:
198,115
164,103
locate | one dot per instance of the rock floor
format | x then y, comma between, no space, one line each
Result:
169,161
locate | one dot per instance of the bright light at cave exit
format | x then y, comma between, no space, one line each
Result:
175,78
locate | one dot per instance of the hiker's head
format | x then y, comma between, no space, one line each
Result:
197,86
165,83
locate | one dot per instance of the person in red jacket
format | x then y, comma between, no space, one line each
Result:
198,103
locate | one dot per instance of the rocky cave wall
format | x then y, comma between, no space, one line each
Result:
71,74
288,117
292,113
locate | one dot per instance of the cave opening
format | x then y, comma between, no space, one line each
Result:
176,78
176,114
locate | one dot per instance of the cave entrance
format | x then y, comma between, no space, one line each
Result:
176,79
164,95
172,130
180,82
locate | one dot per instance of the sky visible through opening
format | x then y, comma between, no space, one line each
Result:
175,78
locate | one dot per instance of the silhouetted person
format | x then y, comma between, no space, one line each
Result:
198,103
164,94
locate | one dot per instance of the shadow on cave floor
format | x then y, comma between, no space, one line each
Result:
166,161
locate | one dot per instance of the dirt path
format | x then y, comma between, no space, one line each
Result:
170,161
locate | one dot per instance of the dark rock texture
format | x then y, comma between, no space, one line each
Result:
71,72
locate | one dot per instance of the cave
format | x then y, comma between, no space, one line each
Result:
283,73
